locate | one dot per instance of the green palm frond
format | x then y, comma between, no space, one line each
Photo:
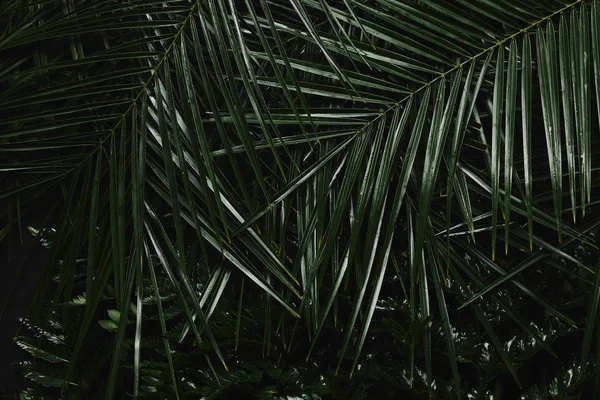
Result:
302,147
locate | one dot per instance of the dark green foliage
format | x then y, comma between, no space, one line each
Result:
311,198
284,374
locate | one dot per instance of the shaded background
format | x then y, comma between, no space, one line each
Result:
22,265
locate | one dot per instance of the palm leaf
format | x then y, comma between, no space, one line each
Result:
283,139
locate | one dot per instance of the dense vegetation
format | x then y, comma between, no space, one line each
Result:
346,199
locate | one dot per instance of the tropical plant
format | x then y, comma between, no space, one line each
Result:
319,158
277,372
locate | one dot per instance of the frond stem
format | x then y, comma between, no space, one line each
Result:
471,59
143,90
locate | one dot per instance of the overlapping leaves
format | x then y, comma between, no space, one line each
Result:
303,143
